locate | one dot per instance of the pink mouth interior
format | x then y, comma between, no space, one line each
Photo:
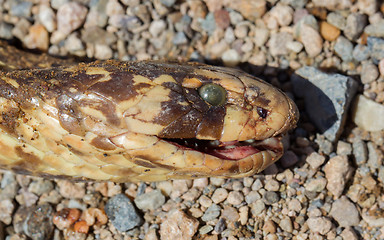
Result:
233,150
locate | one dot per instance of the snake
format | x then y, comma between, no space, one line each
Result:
130,121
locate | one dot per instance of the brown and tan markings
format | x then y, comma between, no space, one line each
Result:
140,121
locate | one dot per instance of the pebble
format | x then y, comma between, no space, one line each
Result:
315,160
157,27
231,58
252,196
150,201
70,189
272,185
376,47
235,198
220,225
47,17
286,224
368,114
327,98
38,224
205,229
122,213
21,9
338,171
180,38
294,205
249,9
243,214
355,26
368,6
211,213
6,30
337,20
369,73
277,43
222,18
294,46
311,40
219,195
329,32
6,210
269,226
375,30
70,16
349,233
343,148
178,225
37,38
316,185
361,52
257,207
344,48
381,67
282,13
345,212
373,217
270,197
375,157
320,225
289,159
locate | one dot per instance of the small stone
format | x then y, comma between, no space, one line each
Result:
219,195
235,198
381,67
209,24
376,47
374,216
252,196
375,156
272,185
38,224
168,3
271,197
257,208
230,214
261,36
368,114
103,52
289,159
122,213
74,45
6,210
178,225
70,16
337,171
21,9
355,26
369,73
47,17
205,201
269,226
286,224
329,32
311,40
367,6
320,225
349,233
337,20
113,7
376,29
294,46
283,14
294,205
315,160
231,58
360,151
243,214
157,27
345,212
343,148
344,48
150,201
72,190
316,185
37,38
6,30
220,225
211,213
222,18
277,43
251,10
361,52
180,38
205,229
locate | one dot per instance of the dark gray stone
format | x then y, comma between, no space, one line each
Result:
355,26
327,98
122,213
211,213
270,197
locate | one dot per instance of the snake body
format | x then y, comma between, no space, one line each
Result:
138,121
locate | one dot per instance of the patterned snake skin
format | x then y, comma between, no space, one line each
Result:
136,121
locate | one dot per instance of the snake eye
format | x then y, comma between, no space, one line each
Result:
262,112
214,94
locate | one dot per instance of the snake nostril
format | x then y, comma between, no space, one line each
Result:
262,112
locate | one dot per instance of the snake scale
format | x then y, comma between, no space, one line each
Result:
136,121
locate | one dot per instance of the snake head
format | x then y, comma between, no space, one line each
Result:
214,121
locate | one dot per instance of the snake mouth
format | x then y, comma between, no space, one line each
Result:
232,150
